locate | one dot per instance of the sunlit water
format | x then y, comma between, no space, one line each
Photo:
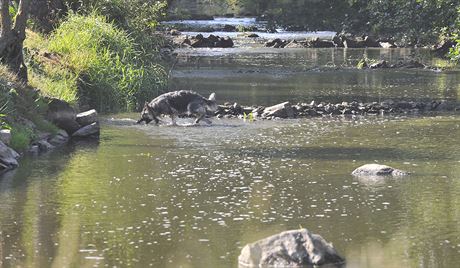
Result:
149,196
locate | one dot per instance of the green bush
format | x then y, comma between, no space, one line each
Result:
110,70
21,137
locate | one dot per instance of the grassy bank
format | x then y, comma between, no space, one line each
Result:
89,61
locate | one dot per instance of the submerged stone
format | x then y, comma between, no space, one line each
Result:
295,248
378,170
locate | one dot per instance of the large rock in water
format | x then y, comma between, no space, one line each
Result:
8,157
296,248
87,118
378,170
282,110
87,131
63,115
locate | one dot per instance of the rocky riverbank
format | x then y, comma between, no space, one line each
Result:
71,125
316,109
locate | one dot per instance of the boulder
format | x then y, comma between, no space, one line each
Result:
87,131
62,115
379,65
87,118
377,170
282,110
294,44
371,42
296,248
44,145
8,157
253,35
387,45
60,138
5,136
175,32
318,43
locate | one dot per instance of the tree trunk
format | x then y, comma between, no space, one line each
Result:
12,38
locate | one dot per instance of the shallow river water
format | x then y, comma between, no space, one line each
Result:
148,196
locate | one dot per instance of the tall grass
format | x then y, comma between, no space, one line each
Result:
98,65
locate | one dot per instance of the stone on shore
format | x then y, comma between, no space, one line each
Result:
377,170
8,157
60,138
282,110
92,130
63,115
296,248
5,136
87,118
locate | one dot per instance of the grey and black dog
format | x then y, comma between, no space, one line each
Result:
179,103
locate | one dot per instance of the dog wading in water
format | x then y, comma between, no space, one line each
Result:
179,103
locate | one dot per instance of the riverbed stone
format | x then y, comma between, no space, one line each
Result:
87,118
378,170
5,136
44,145
63,115
282,110
295,248
61,137
8,157
87,131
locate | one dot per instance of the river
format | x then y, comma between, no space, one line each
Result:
149,196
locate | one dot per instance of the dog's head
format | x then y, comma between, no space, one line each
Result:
148,115
212,104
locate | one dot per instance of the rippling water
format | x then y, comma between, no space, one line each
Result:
193,196
148,196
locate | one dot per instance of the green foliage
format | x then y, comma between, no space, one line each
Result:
454,53
102,61
21,137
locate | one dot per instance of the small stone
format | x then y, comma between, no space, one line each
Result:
5,136
378,170
87,131
87,118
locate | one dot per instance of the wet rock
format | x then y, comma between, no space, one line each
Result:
60,138
337,41
5,136
87,118
378,170
229,28
8,157
276,43
370,42
379,65
294,44
44,145
34,149
175,32
318,43
253,35
282,110
62,115
87,131
212,41
296,248
387,45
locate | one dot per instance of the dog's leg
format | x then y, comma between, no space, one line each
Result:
173,120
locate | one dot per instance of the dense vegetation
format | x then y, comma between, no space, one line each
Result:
93,54
408,21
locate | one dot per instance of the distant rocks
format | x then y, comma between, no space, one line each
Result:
316,109
296,248
383,64
336,41
373,170
213,41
